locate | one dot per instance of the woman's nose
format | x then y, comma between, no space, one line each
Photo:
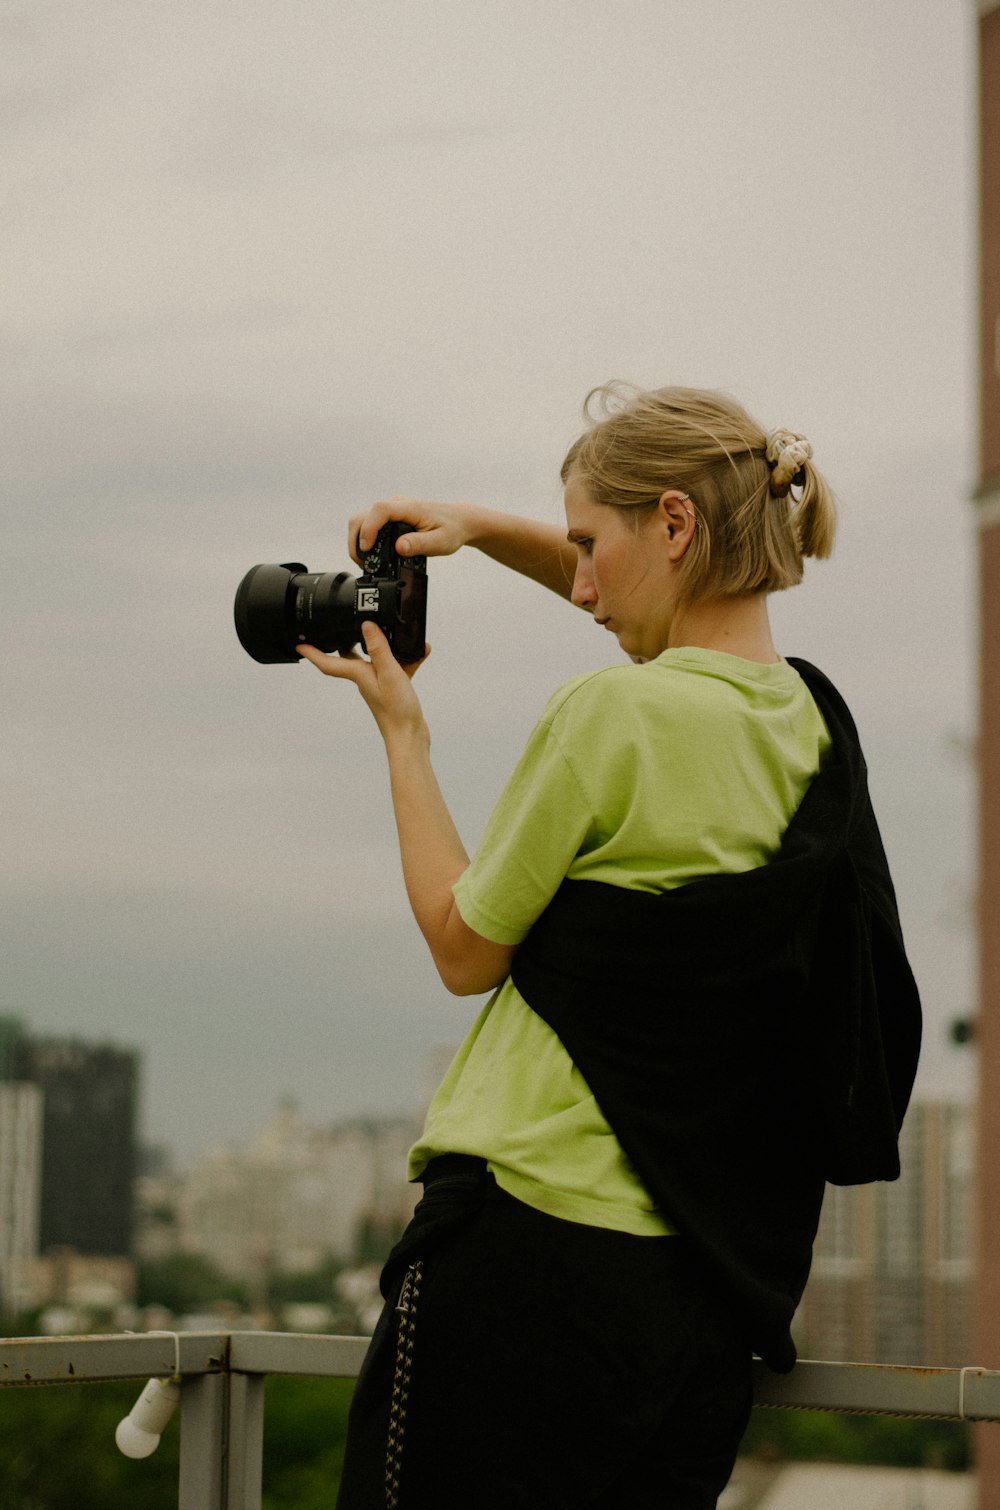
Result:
583,594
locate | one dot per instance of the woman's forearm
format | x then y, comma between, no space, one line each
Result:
433,857
536,550
431,848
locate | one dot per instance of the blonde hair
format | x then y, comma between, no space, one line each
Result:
752,530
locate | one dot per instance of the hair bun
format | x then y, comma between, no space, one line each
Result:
787,453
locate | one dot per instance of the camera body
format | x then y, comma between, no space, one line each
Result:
280,607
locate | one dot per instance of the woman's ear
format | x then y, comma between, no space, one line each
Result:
679,521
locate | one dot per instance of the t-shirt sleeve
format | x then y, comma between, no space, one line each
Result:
540,823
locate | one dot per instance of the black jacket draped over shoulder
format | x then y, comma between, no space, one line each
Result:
747,1036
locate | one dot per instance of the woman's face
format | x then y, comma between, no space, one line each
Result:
626,569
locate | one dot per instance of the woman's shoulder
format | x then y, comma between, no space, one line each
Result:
677,686
607,688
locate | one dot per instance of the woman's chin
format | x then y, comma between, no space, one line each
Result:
629,644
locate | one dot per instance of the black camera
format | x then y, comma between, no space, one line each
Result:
280,607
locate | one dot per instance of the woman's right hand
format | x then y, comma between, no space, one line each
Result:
439,529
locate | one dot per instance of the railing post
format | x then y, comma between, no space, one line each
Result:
245,1455
204,1409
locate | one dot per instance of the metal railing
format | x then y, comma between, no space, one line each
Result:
222,1378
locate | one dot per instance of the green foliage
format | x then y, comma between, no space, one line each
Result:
896,1441
185,1282
375,1237
57,1451
315,1284
57,1448
305,1425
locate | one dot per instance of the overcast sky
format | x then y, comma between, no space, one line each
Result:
266,263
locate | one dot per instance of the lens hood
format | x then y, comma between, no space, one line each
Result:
279,607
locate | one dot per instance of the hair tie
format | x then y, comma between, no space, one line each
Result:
787,454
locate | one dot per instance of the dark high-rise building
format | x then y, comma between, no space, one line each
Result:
90,1100
11,1034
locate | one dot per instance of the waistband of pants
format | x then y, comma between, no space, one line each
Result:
456,1186
447,1165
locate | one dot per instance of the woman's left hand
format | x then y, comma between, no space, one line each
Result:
385,685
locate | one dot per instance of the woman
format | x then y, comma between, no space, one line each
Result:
701,1005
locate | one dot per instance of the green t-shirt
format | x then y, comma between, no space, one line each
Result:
643,776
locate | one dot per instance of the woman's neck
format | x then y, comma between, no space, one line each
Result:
737,626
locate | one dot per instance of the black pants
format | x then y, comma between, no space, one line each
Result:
542,1365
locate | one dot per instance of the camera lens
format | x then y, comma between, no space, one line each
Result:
280,607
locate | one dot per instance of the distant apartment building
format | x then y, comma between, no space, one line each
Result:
20,1191
295,1195
893,1270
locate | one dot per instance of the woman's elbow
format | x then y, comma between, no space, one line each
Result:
463,975
468,963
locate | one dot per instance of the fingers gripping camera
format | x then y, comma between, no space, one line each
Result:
281,607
